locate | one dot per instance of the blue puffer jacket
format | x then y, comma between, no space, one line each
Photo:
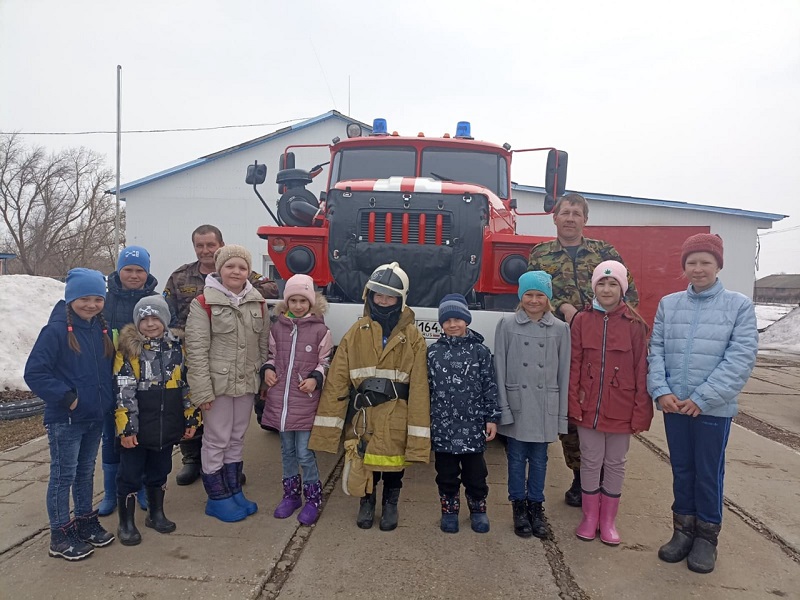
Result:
118,310
463,393
57,374
704,348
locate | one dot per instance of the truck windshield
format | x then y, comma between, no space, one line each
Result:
373,163
483,168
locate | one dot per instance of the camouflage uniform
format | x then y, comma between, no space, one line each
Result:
572,284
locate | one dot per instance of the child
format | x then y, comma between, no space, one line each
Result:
153,413
532,362
608,398
380,365
227,340
702,352
299,355
464,413
70,369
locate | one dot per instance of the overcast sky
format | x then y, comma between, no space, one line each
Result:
694,101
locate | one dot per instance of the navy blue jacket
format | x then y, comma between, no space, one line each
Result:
57,374
118,310
463,393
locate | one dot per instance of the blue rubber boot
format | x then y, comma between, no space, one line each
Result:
109,502
232,473
220,503
477,515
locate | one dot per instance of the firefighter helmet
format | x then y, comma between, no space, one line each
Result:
389,280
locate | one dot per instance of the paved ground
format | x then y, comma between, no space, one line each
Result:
263,557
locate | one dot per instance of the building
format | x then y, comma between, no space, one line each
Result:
778,289
5,256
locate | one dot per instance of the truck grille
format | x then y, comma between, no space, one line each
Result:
405,227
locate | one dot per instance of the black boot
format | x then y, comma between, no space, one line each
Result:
366,512
538,522
703,555
90,531
680,545
155,517
522,523
127,534
573,495
190,450
389,509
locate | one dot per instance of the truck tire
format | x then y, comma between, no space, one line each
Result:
20,409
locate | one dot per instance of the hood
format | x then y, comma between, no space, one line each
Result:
131,342
471,337
115,286
214,281
319,309
522,317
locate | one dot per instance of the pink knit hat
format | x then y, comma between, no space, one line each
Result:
300,285
611,268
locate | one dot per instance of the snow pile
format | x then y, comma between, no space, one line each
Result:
25,305
783,334
767,314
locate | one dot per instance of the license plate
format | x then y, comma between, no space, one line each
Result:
429,329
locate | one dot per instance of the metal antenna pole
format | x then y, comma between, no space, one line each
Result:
119,151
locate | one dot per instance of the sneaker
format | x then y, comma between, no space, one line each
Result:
90,531
65,543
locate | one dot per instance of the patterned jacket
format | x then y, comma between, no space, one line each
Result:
463,393
572,279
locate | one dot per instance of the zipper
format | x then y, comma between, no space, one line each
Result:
160,355
285,409
96,367
602,373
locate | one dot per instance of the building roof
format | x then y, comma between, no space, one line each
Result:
7,256
780,281
331,114
737,212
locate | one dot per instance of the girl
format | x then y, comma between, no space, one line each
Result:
153,413
299,355
532,364
702,352
70,369
227,339
608,398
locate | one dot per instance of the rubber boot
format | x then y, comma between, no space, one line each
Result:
109,501
90,531
220,503
232,472
609,505
682,540
190,453
703,556
522,522
389,509
450,507
291,498
65,543
127,534
478,518
366,511
156,519
587,530
313,494
573,495
538,520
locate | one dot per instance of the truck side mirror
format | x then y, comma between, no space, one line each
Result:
256,174
556,176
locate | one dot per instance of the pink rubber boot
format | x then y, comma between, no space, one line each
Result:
609,506
587,530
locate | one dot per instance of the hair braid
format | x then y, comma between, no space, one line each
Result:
108,344
71,339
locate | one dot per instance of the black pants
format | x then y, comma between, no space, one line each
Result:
139,464
190,449
391,479
452,469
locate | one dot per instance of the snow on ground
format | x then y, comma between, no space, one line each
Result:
25,305
767,314
783,334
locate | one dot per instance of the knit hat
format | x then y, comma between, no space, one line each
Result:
134,255
536,280
454,306
84,282
226,253
702,242
300,285
151,306
614,269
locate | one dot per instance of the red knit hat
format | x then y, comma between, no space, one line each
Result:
702,242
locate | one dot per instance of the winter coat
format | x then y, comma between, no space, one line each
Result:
703,347
152,398
463,393
225,350
58,375
120,302
532,365
608,375
298,349
396,432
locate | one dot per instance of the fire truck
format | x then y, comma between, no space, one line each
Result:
439,206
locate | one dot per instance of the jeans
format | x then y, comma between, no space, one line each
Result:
452,469
111,444
294,452
532,455
137,465
73,453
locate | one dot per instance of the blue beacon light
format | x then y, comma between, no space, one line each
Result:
379,127
463,130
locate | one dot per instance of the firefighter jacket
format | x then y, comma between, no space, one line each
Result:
152,395
572,278
225,344
393,433
118,310
608,374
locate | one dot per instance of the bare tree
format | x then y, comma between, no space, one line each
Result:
56,212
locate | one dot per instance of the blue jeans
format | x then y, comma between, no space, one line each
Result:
294,450
73,453
530,457
111,444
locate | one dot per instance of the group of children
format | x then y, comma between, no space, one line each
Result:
396,399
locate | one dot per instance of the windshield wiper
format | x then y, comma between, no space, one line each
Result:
441,177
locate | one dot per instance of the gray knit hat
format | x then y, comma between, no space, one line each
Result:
454,306
151,306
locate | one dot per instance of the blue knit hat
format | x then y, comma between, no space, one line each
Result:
134,255
84,282
454,306
536,280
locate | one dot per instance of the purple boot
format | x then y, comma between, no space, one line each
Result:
313,494
291,498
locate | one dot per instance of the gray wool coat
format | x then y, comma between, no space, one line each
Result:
532,361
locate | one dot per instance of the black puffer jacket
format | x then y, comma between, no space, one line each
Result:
118,310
